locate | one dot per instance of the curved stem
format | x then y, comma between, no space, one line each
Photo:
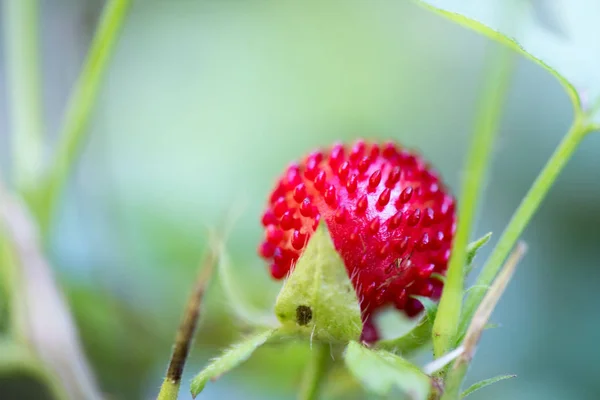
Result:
19,358
24,90
522,216
314,373
496,81
80,106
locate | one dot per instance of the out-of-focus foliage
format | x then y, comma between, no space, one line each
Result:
206,102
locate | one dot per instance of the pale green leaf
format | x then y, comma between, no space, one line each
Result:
416,338
561,36
381,372
318,300
429,305
230,359
486,382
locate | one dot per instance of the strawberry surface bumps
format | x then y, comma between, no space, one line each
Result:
389,215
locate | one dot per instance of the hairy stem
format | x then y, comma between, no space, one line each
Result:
522,216
496,81
24,90
314,373
185,334
80,106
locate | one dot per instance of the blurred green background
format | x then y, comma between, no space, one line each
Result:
204,104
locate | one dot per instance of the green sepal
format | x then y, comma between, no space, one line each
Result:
318,299
230,359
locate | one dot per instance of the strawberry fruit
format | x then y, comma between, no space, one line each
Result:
390,217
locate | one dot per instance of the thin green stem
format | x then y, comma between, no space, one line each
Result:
80,106
522,216
453,382
496,81
169,390
314,373
24,90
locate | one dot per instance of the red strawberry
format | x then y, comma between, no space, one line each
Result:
390,217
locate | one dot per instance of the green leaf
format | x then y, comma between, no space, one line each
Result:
558,47
486,382
230,359
472,250
318,299
381,372
416,338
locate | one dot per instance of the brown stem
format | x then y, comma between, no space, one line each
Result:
186,330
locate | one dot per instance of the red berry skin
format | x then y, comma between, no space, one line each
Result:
390,217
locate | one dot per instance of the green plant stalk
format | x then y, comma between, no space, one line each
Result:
314,374
453,382
496,78
169,390
24,90
522,216
79,108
